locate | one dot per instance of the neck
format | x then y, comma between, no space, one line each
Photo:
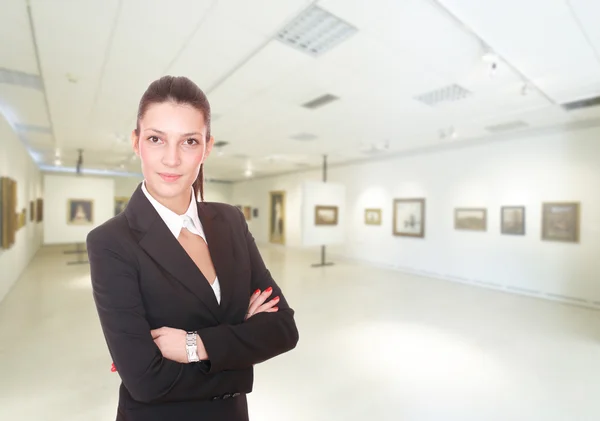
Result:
178,204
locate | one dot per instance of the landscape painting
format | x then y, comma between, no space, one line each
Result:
326,215
560,221
470,219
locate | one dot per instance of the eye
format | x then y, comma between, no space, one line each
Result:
191,141
153,139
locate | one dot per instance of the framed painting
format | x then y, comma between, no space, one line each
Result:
10,218
120,204
277,217
39,210
31,210
373,216
470,219
326,215
560,221
80,212
409,217
255,213
247,211
3,227
512,220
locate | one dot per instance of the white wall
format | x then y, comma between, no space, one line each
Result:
58,189
527,171
16,163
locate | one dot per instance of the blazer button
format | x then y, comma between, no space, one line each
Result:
226,395
235,395
214,398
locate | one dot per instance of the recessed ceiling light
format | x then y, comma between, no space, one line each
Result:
315,31
248,173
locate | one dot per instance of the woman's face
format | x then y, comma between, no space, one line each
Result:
171,146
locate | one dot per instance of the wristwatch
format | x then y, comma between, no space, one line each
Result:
191,347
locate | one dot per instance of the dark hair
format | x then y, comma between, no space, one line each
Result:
180,90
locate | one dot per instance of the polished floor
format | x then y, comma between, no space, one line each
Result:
374,344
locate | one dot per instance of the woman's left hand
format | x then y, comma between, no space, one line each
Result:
171,343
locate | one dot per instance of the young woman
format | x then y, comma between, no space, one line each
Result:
185,301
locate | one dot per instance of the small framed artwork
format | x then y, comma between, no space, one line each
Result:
120,204
560,221
32,210
248,213
80,212
470,219
512,220
326,215
39,210
373,216
277,217
255,213
409,217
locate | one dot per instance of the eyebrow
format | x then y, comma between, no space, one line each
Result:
183,134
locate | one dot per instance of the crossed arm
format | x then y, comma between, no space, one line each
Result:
150,376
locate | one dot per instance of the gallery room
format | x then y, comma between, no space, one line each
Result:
300,210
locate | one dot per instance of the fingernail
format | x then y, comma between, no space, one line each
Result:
257,291
269,289
276,298
113,368
275,308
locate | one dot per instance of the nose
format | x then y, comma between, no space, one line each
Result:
171,156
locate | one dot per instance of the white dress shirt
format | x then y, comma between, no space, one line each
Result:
176,223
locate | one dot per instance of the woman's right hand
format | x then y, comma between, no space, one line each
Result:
258,305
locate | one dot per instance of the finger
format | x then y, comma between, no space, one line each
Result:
268,305
253,297
155,333
260,300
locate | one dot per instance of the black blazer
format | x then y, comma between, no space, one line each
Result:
143,279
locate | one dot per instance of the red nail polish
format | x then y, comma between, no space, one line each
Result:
269,289
275,308
113,368
276,298
257,291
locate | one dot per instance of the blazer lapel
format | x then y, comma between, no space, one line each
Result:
165,250
218,237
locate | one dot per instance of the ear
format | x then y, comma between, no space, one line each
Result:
135,143
209,147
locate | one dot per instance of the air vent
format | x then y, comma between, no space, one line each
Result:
504,127
315,31
582,103
33,129
303,137
12,77
320,101
446,94
220,144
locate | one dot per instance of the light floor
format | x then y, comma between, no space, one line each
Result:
374,345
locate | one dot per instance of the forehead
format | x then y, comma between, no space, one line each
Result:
169,116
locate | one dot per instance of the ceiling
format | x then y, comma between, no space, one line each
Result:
72,73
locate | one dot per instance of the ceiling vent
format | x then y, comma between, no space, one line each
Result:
582,103
303,137
33,129
448,93
504,127
12,77
320,101
315,31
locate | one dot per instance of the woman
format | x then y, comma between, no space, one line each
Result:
185,301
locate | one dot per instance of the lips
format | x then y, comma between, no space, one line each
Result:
169,178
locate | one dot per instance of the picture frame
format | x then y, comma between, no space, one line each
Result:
561,221
409,217
470,219
39,211
9,218
247,211
512,220
326,215
80,212
255,213
372,216
120,204
277,216
31,210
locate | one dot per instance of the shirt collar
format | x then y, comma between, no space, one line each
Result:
174,221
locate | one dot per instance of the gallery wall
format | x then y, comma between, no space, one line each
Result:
16,163
523,171
59,189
